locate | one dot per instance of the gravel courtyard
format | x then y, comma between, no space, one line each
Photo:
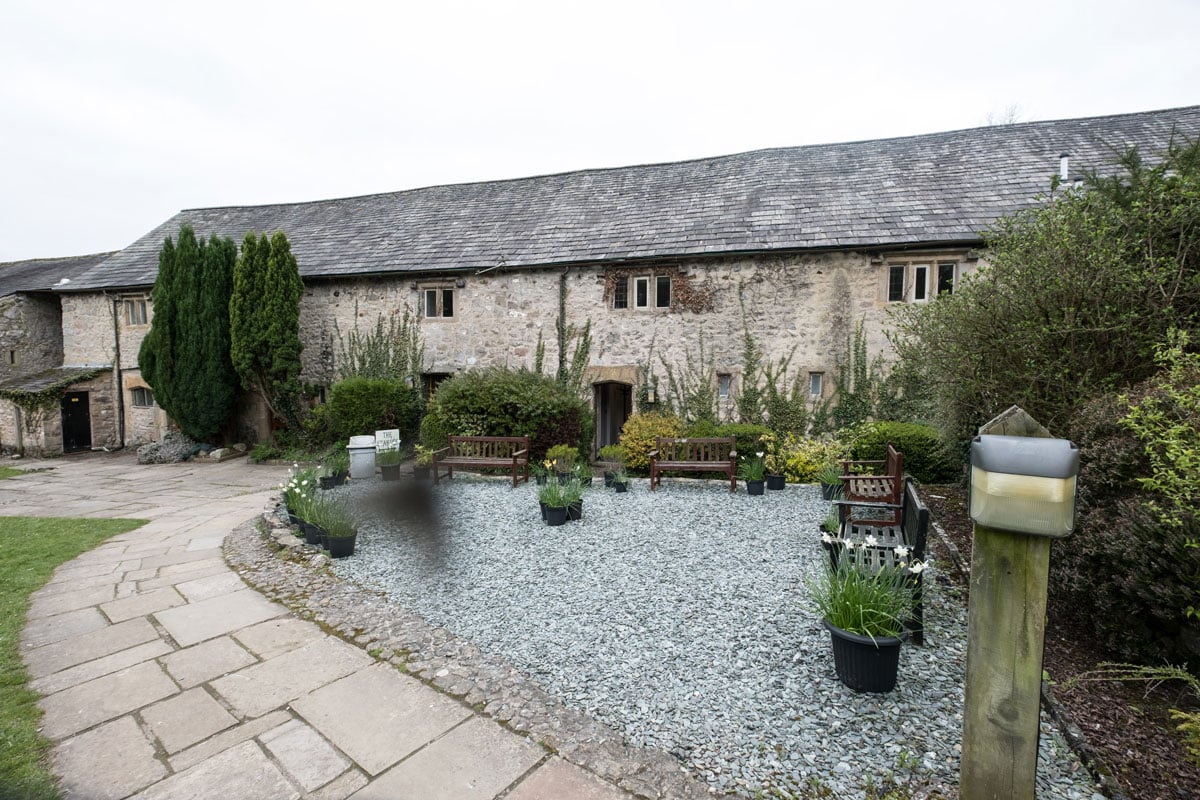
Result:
680,618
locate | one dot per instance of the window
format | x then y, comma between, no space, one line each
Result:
724,384
641,292
662,291
142,397
135,312
438,302
920,282
816,383
945,279
621,293
895,283
12,358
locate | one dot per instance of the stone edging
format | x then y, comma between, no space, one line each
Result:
1072,732
277,563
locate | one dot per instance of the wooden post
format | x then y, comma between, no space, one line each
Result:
1006,625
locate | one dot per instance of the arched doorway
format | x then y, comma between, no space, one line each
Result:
613,401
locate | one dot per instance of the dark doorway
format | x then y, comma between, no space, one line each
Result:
614,404
76,422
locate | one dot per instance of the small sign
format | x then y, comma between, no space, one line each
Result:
387,440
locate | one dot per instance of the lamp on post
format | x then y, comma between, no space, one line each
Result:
1022,497
1023,484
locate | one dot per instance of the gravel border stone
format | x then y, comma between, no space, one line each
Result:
668,623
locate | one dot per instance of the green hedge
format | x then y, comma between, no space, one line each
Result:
926,458
506,402
361,406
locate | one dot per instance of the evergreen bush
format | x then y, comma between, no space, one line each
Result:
507,402
926,457
639,432
360,406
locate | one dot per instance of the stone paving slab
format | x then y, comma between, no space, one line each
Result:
257,689
277,636
210,586
87,704
201,663
139,605
307,757
82,673
227,739
106,763
403,715
50,605
49,630
475,761
195,622
42,661
185,719
558,780
243,772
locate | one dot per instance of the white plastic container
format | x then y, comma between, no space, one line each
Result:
362,457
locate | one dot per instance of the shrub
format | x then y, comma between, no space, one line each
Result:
749,437
506,402
926,458
564,457
1133,576
803,459
639,432
361,406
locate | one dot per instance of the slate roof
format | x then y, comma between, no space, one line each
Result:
47,379
42,274
932,189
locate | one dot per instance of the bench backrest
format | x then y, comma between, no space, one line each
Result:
711,450
894,463
915,519
500,447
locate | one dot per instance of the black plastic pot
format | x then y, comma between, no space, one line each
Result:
862,663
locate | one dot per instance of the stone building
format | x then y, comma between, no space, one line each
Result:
801,243
32,363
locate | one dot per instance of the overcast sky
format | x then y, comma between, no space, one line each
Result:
115,115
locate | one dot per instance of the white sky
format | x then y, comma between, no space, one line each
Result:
116,115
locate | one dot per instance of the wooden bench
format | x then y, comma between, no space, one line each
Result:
880,482
694,455
483,452
910,531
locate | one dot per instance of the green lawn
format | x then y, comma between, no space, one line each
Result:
9,472
30,549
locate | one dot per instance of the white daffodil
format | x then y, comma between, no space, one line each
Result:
759,454
871,541
849,545
902,552
826,538
917,567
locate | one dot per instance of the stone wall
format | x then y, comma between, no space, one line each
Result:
87,331
30,335
41,431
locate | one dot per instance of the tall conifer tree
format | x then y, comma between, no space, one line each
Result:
264,312
185,356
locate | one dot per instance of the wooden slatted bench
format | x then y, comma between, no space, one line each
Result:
885,487
694,455
483,452
910,531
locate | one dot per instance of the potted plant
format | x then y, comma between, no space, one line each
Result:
423,461
613,457
316,515
554,502
830,478
863,606
389,464
751,470
620,481
539,470
337,468
296,491
341,531
563,456
583,474
773,462
573,494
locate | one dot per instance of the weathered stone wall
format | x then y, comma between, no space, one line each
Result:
41,431
30,334
87,331
142,424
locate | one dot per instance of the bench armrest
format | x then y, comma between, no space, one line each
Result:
654,453
863,504
732,454
436,453
520,453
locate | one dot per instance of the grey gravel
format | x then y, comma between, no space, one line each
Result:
679,618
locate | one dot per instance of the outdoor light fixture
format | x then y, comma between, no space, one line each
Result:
652,393
1024,484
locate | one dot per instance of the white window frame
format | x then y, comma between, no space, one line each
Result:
816,384
641,291
920,278
955,275
724,385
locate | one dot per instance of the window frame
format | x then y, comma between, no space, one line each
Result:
137,313
145,392
919,278
621,292
724,386
816,380
658,291
955,274
443,301
641,291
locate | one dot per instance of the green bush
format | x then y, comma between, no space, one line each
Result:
1124,575
926,458
639,432
361,406
803,459
506,402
